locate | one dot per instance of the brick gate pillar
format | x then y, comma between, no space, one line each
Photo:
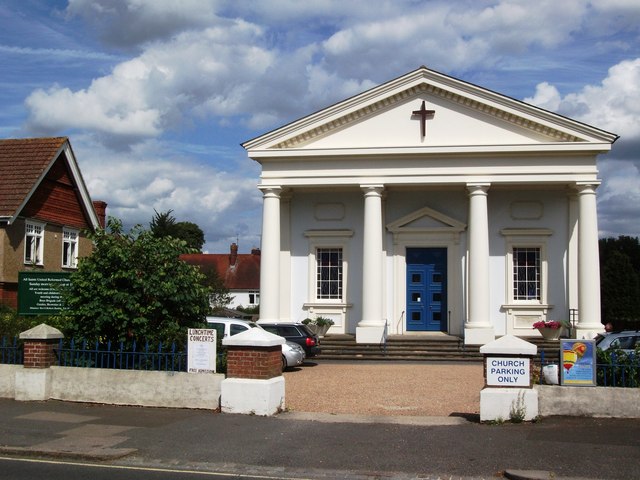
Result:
33,382
254,383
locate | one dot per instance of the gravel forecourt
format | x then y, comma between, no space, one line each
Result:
385,388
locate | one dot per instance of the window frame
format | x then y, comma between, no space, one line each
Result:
37,233
72,243
330,275
327,239
523,239
255,294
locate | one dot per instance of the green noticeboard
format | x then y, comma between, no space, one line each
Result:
39,293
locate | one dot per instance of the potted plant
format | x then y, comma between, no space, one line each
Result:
550,329
318,325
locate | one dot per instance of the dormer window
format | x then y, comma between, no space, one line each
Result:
33,242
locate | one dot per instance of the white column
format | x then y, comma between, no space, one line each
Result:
270,255
371,328
478,329
588,263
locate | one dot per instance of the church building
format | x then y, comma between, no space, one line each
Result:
429,204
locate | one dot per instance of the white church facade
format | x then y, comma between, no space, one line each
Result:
428,204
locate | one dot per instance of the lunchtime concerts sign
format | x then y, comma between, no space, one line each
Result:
201,356
508,372
39,293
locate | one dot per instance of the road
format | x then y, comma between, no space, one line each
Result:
29,469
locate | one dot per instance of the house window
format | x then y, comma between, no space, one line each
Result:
254,298
69,248
329,273
526,273
33,242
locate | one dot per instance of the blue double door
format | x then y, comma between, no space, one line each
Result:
426,289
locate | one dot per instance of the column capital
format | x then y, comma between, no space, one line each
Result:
376,189
587,187
476,188
270,190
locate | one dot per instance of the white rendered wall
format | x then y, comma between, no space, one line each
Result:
554,206
305,216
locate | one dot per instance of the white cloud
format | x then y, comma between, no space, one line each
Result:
127,23
546,96
614,105
212,71
136,183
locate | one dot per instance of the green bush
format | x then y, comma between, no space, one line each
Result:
616,368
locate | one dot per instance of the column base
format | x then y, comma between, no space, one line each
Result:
504,404
479,336
370,334
252,396
33,384
587,333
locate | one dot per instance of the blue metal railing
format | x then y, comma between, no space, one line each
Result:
121,356
11,352
622,371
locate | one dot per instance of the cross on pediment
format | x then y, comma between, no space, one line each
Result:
424,113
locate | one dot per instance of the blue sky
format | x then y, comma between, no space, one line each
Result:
157,95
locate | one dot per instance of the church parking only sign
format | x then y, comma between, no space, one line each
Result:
508,372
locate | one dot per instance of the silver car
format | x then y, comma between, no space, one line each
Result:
626,341
292,353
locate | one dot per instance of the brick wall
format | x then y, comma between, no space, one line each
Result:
9,294
39,353
260,363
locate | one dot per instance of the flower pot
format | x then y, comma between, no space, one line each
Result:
550,333
313,328
322,330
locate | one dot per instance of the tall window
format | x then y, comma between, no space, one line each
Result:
329,273
33,242
526,273
69,248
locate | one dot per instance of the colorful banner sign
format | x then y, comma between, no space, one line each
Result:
578,363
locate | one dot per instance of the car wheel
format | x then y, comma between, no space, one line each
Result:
284,363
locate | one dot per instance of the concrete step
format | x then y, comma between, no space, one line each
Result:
416,348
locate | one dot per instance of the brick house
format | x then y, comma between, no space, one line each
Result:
45,210
240,273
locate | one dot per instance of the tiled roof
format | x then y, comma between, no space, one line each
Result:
22,162
243,275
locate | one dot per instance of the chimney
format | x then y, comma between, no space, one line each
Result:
233,256
101,211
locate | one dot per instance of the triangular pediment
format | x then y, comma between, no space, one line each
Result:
426,220
463,115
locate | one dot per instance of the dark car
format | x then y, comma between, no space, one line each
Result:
296,333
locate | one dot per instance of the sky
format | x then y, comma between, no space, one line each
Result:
156,96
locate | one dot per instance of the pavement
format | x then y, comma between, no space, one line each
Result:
322,446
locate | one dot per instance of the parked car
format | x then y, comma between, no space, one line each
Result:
292,354
297,333
626,340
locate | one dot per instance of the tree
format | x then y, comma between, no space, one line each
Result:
219,297
620,281
134,285
191,233
164,225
